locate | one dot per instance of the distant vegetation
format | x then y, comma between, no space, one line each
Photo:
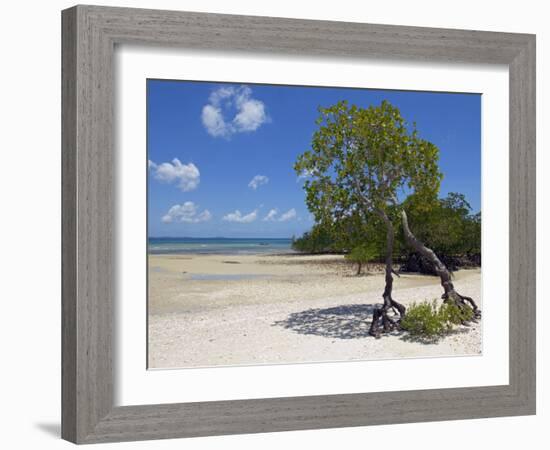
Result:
452,230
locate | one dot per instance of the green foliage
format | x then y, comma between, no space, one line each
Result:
358,230
471,236
361,157
450,313
342,236
447,225
427,320
363,254
318,240
423,320
358,162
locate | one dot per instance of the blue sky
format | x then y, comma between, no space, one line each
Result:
221,155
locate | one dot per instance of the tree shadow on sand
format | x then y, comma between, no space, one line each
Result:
350,322
339,322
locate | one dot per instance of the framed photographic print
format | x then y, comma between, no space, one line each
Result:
278,224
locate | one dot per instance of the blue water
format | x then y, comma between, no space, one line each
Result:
223,246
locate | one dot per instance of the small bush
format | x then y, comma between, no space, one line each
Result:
453,315
362,254
429,321
423,320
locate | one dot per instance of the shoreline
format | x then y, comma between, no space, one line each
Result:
220,309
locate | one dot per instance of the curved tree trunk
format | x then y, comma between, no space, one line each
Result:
449,292
381,314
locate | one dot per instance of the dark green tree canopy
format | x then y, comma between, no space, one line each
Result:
447,225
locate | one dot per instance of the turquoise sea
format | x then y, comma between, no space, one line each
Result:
225,246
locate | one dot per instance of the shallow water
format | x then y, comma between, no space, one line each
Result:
226,246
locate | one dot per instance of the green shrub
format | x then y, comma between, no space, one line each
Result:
453,315
423,320
362,254
427,320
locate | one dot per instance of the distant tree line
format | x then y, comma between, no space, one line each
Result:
449,225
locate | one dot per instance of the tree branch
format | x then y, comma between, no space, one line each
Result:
362,198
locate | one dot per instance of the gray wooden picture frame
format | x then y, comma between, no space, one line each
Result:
90,34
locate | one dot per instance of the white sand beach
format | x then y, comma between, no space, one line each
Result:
210,310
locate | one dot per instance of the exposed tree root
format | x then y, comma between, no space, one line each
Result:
381,321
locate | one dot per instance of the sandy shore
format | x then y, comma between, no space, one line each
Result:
208,310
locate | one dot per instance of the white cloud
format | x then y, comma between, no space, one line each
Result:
273,216
258,181
289,215
239,218
220,94
270,216
213,121
249,113
187,176
188,213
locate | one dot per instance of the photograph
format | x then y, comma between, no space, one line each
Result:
306,224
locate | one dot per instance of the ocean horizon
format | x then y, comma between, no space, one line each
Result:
218,245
